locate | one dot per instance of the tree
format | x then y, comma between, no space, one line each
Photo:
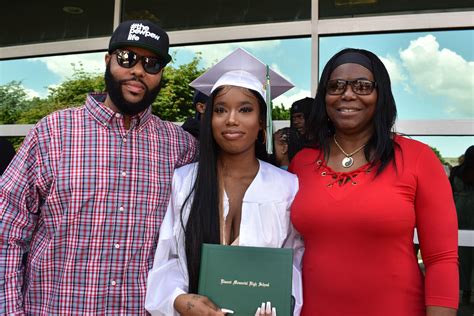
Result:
70,93
174,102
438,154
38,109
73,91
13,101
280,113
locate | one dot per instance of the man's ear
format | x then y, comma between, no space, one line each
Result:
107,58
284,149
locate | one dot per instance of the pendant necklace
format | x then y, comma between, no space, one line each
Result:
348,161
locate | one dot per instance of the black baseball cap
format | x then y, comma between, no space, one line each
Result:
143,34
302,106
199,97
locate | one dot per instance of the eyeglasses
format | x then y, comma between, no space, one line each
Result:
359,86
128,59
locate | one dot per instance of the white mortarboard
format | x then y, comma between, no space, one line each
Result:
242,69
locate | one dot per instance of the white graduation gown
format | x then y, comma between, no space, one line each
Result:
265,222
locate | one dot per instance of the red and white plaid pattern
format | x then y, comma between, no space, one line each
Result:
86,197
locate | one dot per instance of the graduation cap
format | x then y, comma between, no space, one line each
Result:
242,69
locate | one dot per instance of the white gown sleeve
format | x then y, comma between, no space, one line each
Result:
295,241
166,280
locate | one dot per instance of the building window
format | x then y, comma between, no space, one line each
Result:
184,15
50,21
289,57
431,72
353,8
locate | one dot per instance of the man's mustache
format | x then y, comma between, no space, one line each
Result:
133,79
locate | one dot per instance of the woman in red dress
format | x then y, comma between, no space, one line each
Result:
362,192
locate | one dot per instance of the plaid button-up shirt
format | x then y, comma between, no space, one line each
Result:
86,197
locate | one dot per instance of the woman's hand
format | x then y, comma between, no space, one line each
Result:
193,304
266,310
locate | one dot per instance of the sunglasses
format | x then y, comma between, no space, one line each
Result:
359,86
128,59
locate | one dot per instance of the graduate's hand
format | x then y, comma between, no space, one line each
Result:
196,305
266,310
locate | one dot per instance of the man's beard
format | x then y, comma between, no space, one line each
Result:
114,90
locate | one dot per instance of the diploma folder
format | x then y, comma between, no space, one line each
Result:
242,278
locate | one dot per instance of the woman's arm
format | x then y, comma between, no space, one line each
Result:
196,305
440,311
436,224
295,241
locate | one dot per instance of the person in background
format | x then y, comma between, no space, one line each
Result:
7,152
462,183
230,196
363,190
192,124
88,189
285,142
299,114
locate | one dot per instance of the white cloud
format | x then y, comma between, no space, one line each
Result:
277,69
52,86
287,100
394,69
408,88
63,65
213,53
32,93
441,72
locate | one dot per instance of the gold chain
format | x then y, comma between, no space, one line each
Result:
342,150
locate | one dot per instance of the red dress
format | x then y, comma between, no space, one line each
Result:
359,256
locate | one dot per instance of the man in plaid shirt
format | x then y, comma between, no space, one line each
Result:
88,190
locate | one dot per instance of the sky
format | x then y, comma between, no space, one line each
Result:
432,73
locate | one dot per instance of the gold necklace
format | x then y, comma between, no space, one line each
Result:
348,161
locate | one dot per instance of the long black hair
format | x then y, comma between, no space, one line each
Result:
203,225
320,128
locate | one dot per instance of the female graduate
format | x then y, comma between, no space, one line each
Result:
230,196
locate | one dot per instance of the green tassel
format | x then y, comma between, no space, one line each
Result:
269,123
